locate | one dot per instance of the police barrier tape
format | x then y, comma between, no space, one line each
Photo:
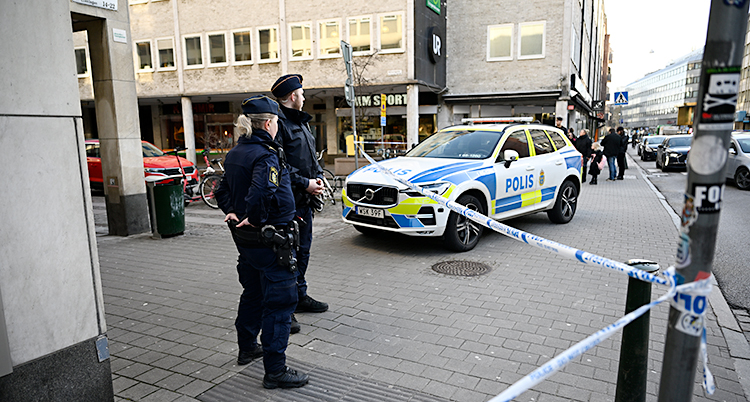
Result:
693,291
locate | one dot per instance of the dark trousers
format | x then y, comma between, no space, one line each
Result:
620,165
266,305
585,169
303,254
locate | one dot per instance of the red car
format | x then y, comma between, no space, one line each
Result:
155,163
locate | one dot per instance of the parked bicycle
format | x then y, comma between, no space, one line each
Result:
328,190
209,182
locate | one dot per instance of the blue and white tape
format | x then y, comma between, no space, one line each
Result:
693,295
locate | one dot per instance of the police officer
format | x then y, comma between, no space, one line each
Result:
256,196
299,144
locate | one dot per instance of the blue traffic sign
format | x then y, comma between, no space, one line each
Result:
621,98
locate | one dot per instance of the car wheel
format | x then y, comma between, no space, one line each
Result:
461,233
565,205
367,231
742,178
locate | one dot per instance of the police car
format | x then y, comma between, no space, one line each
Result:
501,170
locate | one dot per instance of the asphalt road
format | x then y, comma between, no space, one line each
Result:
732,251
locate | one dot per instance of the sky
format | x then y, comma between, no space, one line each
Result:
646,35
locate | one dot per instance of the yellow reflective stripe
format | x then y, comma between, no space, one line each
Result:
406,209
531,198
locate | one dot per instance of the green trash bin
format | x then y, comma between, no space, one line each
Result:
166,206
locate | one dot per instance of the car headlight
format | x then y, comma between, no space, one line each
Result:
154,170
437,188
674,155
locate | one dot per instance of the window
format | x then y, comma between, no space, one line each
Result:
360,34
242,47
217,49
329,39
165,47
542,145
300,41
391,33
531,40
143,56
500,42
557,139
82,64
193,52
268,43
517,142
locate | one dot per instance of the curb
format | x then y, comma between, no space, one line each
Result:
739,348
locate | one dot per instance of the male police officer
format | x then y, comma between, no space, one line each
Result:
256,195
299,144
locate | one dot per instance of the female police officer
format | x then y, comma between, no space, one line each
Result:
256,196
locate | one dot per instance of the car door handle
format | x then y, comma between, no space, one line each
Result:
558,163
529,168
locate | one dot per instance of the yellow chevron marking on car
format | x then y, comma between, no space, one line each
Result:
531,198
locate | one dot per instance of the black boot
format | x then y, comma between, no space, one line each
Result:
286,378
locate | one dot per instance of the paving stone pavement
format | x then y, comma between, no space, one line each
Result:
170,306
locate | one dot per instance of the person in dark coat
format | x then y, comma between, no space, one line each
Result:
596,158
256,196
622,164
611,144
299,144
583,145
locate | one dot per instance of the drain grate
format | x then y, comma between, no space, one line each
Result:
461,268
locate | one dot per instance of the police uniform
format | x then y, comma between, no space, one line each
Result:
257,186
299,144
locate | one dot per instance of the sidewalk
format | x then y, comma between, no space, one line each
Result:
397,330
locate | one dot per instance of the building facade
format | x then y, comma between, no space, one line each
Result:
195,62
665,97
742,115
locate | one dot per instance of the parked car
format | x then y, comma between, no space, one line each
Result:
501,170
672,153
648,147
155,163
738,162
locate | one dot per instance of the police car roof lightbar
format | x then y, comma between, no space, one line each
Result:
493,120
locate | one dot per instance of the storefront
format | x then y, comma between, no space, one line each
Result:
213,124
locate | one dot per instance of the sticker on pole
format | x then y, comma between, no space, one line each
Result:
707,198
707,155
720,98
690,324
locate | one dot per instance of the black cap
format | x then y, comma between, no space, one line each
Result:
559,118
286,84
260,104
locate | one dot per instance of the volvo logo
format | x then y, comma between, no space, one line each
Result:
369,194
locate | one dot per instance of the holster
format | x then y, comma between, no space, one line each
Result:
284,241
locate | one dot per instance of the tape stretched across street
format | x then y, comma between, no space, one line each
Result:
693,290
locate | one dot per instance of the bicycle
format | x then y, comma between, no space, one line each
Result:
328,190
204,189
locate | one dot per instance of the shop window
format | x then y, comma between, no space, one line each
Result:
193,51
143,56
329,39
82,63
165,47
531,40
217,49
300,41
391,33
268,43
242,47
500,42
360,36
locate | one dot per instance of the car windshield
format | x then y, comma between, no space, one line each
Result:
679,142
150,150
745,145
654,140
461,144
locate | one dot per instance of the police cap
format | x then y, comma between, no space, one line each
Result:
259,104
286,84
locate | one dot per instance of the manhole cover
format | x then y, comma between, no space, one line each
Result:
461,268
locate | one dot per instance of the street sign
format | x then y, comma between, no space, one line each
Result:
346,52
598,105
349,92
382,109
621,98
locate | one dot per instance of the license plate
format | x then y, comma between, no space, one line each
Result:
371,212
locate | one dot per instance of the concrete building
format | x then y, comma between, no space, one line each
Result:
742,115
665,97
53,344
199,60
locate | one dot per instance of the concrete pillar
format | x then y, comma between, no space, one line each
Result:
159,139
444,116
189,127
412,115
332,137
561,110
119,128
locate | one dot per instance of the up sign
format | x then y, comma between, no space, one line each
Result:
436,44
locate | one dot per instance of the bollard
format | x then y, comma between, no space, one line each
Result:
633,369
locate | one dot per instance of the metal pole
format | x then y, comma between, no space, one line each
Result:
354,132
633,369
717,97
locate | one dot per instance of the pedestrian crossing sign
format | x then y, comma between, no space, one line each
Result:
621,98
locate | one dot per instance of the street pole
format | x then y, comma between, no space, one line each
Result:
717,97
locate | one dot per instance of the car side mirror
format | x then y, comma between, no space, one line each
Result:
509,156
732,151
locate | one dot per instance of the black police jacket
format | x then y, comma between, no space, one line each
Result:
299,145
256,183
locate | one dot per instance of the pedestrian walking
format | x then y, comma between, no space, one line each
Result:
256,196
611,144
572,135
583,145
622,163
306,174
597,162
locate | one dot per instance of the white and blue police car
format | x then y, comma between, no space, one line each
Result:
500,170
